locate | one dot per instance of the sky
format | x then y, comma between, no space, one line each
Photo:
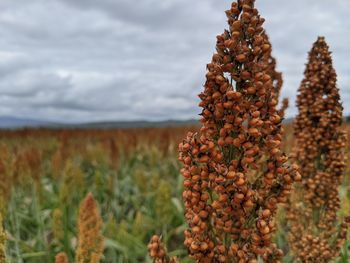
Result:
88,60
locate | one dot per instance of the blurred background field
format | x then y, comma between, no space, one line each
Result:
133,174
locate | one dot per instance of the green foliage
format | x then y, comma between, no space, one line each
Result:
138,200
142,198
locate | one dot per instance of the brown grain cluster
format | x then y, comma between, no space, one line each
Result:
61,258
157,251
277,80
90,239
235,173
320,143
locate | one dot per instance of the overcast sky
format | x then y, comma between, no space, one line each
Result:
89,60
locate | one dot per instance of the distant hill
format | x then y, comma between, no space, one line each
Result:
134,124
7,122
18,123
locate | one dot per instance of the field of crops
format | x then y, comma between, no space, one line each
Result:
133,174
243,185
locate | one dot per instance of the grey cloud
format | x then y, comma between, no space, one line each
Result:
152,14
119,59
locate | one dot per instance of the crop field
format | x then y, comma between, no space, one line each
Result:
248,182
133,175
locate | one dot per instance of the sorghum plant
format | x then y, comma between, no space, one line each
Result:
61,258
90,239
320,143
57,225
5,185
277,80
235,173
157,251
2,242
284,106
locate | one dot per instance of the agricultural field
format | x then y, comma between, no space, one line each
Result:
134,176
101,159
